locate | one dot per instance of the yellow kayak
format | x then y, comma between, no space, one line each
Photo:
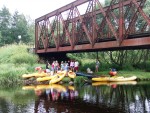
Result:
100,79
40,74
114,79
45,78
27,75
71,74
122,79
34,75
57,78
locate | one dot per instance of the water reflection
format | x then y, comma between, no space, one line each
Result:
127,98
52,98
131,97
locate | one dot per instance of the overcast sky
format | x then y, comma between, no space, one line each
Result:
34,8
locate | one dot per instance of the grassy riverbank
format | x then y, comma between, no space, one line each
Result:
104,70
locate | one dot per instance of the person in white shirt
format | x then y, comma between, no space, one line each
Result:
76,66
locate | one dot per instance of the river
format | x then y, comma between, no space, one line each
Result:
130,97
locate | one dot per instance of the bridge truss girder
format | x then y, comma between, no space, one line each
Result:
114,26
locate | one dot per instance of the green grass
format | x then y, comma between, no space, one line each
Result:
17,54
15,61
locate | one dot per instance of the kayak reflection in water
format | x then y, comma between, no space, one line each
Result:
114,86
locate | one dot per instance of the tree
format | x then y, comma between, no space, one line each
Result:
31,31
5,19
19,27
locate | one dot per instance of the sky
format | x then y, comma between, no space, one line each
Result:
34,8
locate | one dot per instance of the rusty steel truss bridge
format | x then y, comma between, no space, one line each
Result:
88,25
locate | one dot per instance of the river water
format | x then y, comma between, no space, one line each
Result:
130,97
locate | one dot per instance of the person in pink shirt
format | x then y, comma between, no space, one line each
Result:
53,67
72,65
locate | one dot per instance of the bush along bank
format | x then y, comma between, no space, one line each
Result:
15,61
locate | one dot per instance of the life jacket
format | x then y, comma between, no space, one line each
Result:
112,73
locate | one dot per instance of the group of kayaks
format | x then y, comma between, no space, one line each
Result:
61,74
107,78
40,77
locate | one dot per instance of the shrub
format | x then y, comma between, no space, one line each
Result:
90,65
66,80
147,66
80,80
116,66
23,58
144,66
128,67
104,66
16,54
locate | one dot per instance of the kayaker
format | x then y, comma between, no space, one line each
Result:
72,65
62,65
97,65
56,66
89,71
39,69
53,68
113,72
47,67
66,67
76,66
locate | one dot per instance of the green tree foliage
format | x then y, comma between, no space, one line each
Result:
19,27
31,32
11,26
5,19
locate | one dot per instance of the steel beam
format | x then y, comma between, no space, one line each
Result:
103,45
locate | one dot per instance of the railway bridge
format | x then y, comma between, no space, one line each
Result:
89,25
